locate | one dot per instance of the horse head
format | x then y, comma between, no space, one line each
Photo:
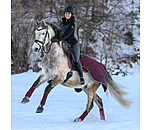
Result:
45,31
43,35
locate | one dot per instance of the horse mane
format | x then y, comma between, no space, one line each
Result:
65,46
54,26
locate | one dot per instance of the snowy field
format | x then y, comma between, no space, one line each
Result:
64,105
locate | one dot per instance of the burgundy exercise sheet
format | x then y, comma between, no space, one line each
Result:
96,69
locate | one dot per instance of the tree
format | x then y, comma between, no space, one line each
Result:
107,30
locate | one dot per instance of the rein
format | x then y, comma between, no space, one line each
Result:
42,42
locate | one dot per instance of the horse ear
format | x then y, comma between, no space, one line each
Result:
43,23
37,22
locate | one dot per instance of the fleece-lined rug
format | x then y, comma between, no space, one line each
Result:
96,69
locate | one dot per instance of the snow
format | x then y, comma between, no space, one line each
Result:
64,105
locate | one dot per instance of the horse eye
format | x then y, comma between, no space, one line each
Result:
43,33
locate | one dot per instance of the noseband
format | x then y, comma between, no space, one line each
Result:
42,42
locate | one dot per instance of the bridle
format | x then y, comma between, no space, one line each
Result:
42,42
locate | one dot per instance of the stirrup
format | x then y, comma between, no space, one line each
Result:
69,75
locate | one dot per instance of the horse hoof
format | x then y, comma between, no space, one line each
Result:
25,100
77,120
40,109
102,115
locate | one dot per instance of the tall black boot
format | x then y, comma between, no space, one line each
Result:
79,68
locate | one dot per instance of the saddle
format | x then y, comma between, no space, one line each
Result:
96,69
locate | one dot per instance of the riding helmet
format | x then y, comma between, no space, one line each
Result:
69,9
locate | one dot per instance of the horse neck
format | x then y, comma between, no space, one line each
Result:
56,48
56,51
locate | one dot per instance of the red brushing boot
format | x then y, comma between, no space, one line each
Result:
102,115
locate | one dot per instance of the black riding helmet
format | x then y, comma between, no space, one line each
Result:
69,9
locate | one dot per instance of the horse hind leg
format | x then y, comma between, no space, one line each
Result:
99,103
90,91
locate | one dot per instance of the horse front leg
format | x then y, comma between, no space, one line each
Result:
39,81
52,84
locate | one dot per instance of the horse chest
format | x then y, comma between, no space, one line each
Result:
49,64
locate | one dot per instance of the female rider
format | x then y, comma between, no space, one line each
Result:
68,25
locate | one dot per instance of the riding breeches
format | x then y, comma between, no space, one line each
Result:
76,49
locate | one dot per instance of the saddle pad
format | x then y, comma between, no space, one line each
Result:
95,69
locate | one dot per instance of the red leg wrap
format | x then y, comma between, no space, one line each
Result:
102,115
44,98
31,90
85,113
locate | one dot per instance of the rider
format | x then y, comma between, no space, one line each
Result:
68,23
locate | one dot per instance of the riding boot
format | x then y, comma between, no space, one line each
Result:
79,68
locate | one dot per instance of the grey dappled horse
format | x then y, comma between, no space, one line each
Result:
54,70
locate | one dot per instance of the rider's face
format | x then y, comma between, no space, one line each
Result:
67,15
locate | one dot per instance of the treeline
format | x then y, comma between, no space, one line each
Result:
107,30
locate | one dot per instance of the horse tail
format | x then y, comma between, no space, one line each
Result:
116,91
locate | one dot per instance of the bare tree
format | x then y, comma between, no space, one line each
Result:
107,30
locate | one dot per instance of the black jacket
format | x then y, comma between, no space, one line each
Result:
68,30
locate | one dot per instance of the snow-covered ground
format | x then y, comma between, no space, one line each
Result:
64,105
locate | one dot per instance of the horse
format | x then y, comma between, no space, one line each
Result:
54,70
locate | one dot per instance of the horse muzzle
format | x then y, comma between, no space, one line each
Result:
36,47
